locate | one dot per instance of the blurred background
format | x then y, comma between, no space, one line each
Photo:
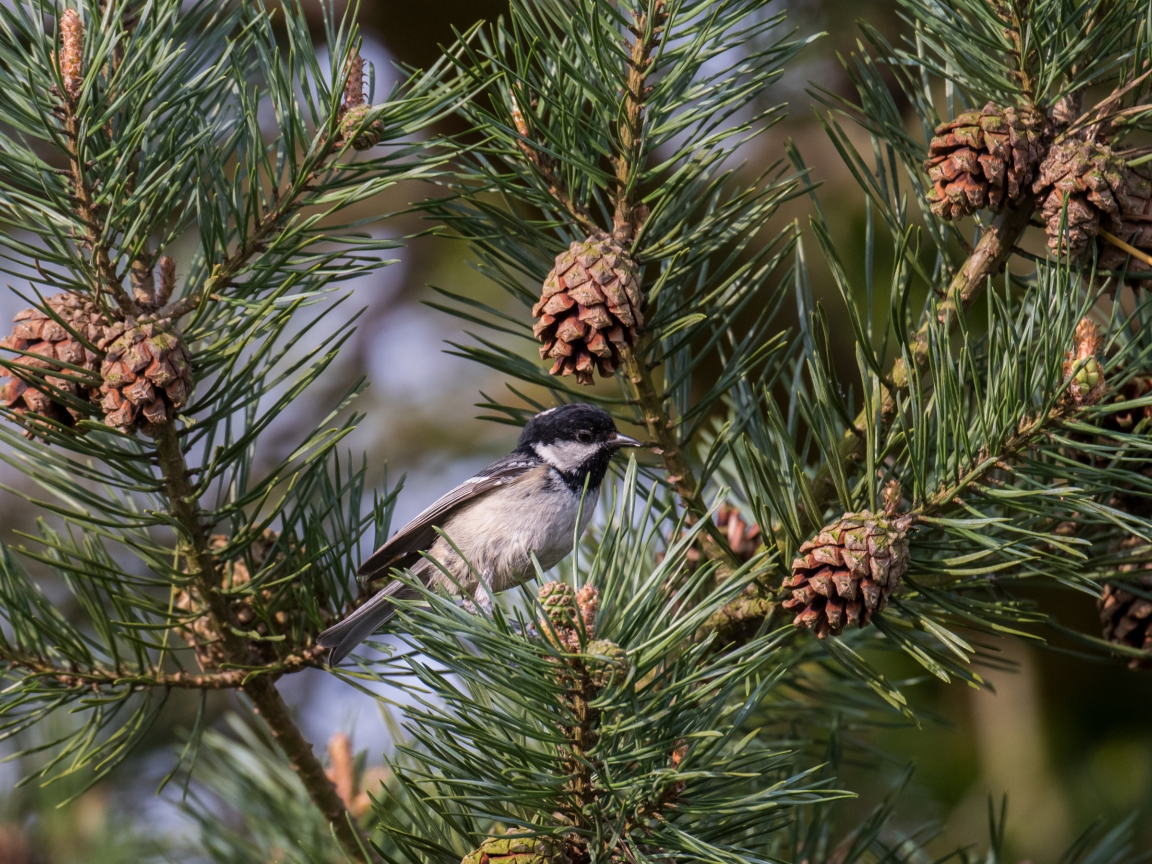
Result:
1066,738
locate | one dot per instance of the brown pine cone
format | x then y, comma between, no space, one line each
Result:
1135,229
1136,387
590,306
984,160
1097,186
847,572
200,633
1127,617
40,334
147,374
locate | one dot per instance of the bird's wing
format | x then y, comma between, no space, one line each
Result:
418,535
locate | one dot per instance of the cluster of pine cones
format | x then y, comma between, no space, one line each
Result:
263,614
991,159
71,363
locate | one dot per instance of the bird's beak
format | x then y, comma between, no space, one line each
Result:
624,441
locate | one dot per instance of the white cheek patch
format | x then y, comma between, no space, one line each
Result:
566,456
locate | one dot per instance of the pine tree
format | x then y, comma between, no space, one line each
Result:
687,685
137,182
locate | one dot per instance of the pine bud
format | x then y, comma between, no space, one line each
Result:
354,84
167,280
143,283
71,52
588,602
1082,365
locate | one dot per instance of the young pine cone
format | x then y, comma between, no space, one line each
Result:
38,333
847,572
517,849
1127,616
147,374
1082,365
984,160
607,662
590,307
1082,187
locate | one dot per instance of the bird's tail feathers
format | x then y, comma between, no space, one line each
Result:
343,637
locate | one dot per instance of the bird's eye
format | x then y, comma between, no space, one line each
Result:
584,436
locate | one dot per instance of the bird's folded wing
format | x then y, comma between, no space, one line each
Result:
419,534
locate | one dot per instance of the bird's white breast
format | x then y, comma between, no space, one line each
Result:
536,514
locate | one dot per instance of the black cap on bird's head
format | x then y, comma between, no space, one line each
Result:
576,422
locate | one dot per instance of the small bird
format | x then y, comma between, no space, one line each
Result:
522,505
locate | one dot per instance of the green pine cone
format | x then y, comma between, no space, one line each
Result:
517,849
607,661
559,602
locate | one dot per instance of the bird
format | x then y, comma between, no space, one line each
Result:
533,502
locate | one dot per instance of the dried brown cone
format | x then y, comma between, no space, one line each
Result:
1134,228
743,537
39,333
847,572
1094,186
1082,365
71,52
589,309
1126,616
984,159
243,611
518,849
147,374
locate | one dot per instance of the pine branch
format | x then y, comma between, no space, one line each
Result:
259,689
98,676
987,258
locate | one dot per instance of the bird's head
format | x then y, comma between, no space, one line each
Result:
573,438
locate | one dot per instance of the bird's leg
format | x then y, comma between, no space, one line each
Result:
481,600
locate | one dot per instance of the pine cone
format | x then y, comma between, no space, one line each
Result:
40,334
1097,186
606,662
847,572
559,602
362,136
1127,617
984,160
743,537
1136,387
590,306
517,849
147,374
243,610
1135,229
1082,365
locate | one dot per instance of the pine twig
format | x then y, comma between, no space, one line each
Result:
97,676
260,690
985,261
